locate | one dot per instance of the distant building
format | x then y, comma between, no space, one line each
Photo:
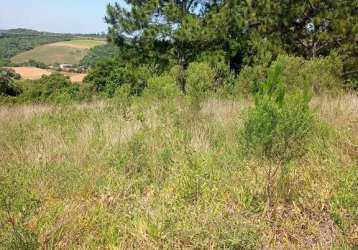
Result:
66,66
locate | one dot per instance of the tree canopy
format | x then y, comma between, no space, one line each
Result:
238,31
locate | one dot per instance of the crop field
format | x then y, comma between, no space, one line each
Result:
80,43
69,52
33,73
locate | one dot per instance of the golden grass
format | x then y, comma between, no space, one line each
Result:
173,179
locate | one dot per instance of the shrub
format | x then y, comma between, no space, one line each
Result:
250,79
56,88
7,87
34,63
321,74
277,128
98,75
200,79
161,87
136,77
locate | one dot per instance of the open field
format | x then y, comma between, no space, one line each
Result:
33,73
68,52
79,44
166,177
30,73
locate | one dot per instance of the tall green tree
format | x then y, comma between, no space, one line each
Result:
181,31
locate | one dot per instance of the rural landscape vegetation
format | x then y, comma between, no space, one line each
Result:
190,124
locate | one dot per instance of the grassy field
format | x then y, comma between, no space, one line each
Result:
80,43
163,176
69,52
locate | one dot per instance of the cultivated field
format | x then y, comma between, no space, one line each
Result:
68,52
79,44
33,73
85,176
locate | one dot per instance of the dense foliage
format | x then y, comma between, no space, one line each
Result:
97,53
239,31
7,87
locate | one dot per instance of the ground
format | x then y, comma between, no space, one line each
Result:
33,73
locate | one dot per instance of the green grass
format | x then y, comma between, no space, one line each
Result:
90,43
167,177
51,55
61,52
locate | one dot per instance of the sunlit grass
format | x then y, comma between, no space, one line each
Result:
172,178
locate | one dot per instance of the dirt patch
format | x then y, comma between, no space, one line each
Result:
31,73
306,228
76,77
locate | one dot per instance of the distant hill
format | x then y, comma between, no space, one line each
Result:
65,52
16,41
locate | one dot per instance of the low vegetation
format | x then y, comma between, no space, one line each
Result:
161,176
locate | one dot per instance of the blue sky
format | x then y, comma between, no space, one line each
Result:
66,16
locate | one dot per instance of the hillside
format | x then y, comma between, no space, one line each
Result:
69,52
16,41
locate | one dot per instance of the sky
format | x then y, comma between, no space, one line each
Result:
63,16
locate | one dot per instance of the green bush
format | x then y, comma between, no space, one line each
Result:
322,74
98,75
277,129
279,124
161,87
250,79
200,80
136,77
54,88
33,63
7,86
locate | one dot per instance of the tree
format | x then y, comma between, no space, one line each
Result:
180,31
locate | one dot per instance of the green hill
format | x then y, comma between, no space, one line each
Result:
71,52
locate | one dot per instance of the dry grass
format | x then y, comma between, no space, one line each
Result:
173,179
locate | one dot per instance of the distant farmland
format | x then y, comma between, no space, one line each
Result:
81,43
33,73
69,52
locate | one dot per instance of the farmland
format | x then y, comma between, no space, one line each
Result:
79,43
69,52
33,73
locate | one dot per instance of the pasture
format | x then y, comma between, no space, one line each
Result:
79,44
68,52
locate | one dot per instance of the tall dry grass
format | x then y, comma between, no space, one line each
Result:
167,178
